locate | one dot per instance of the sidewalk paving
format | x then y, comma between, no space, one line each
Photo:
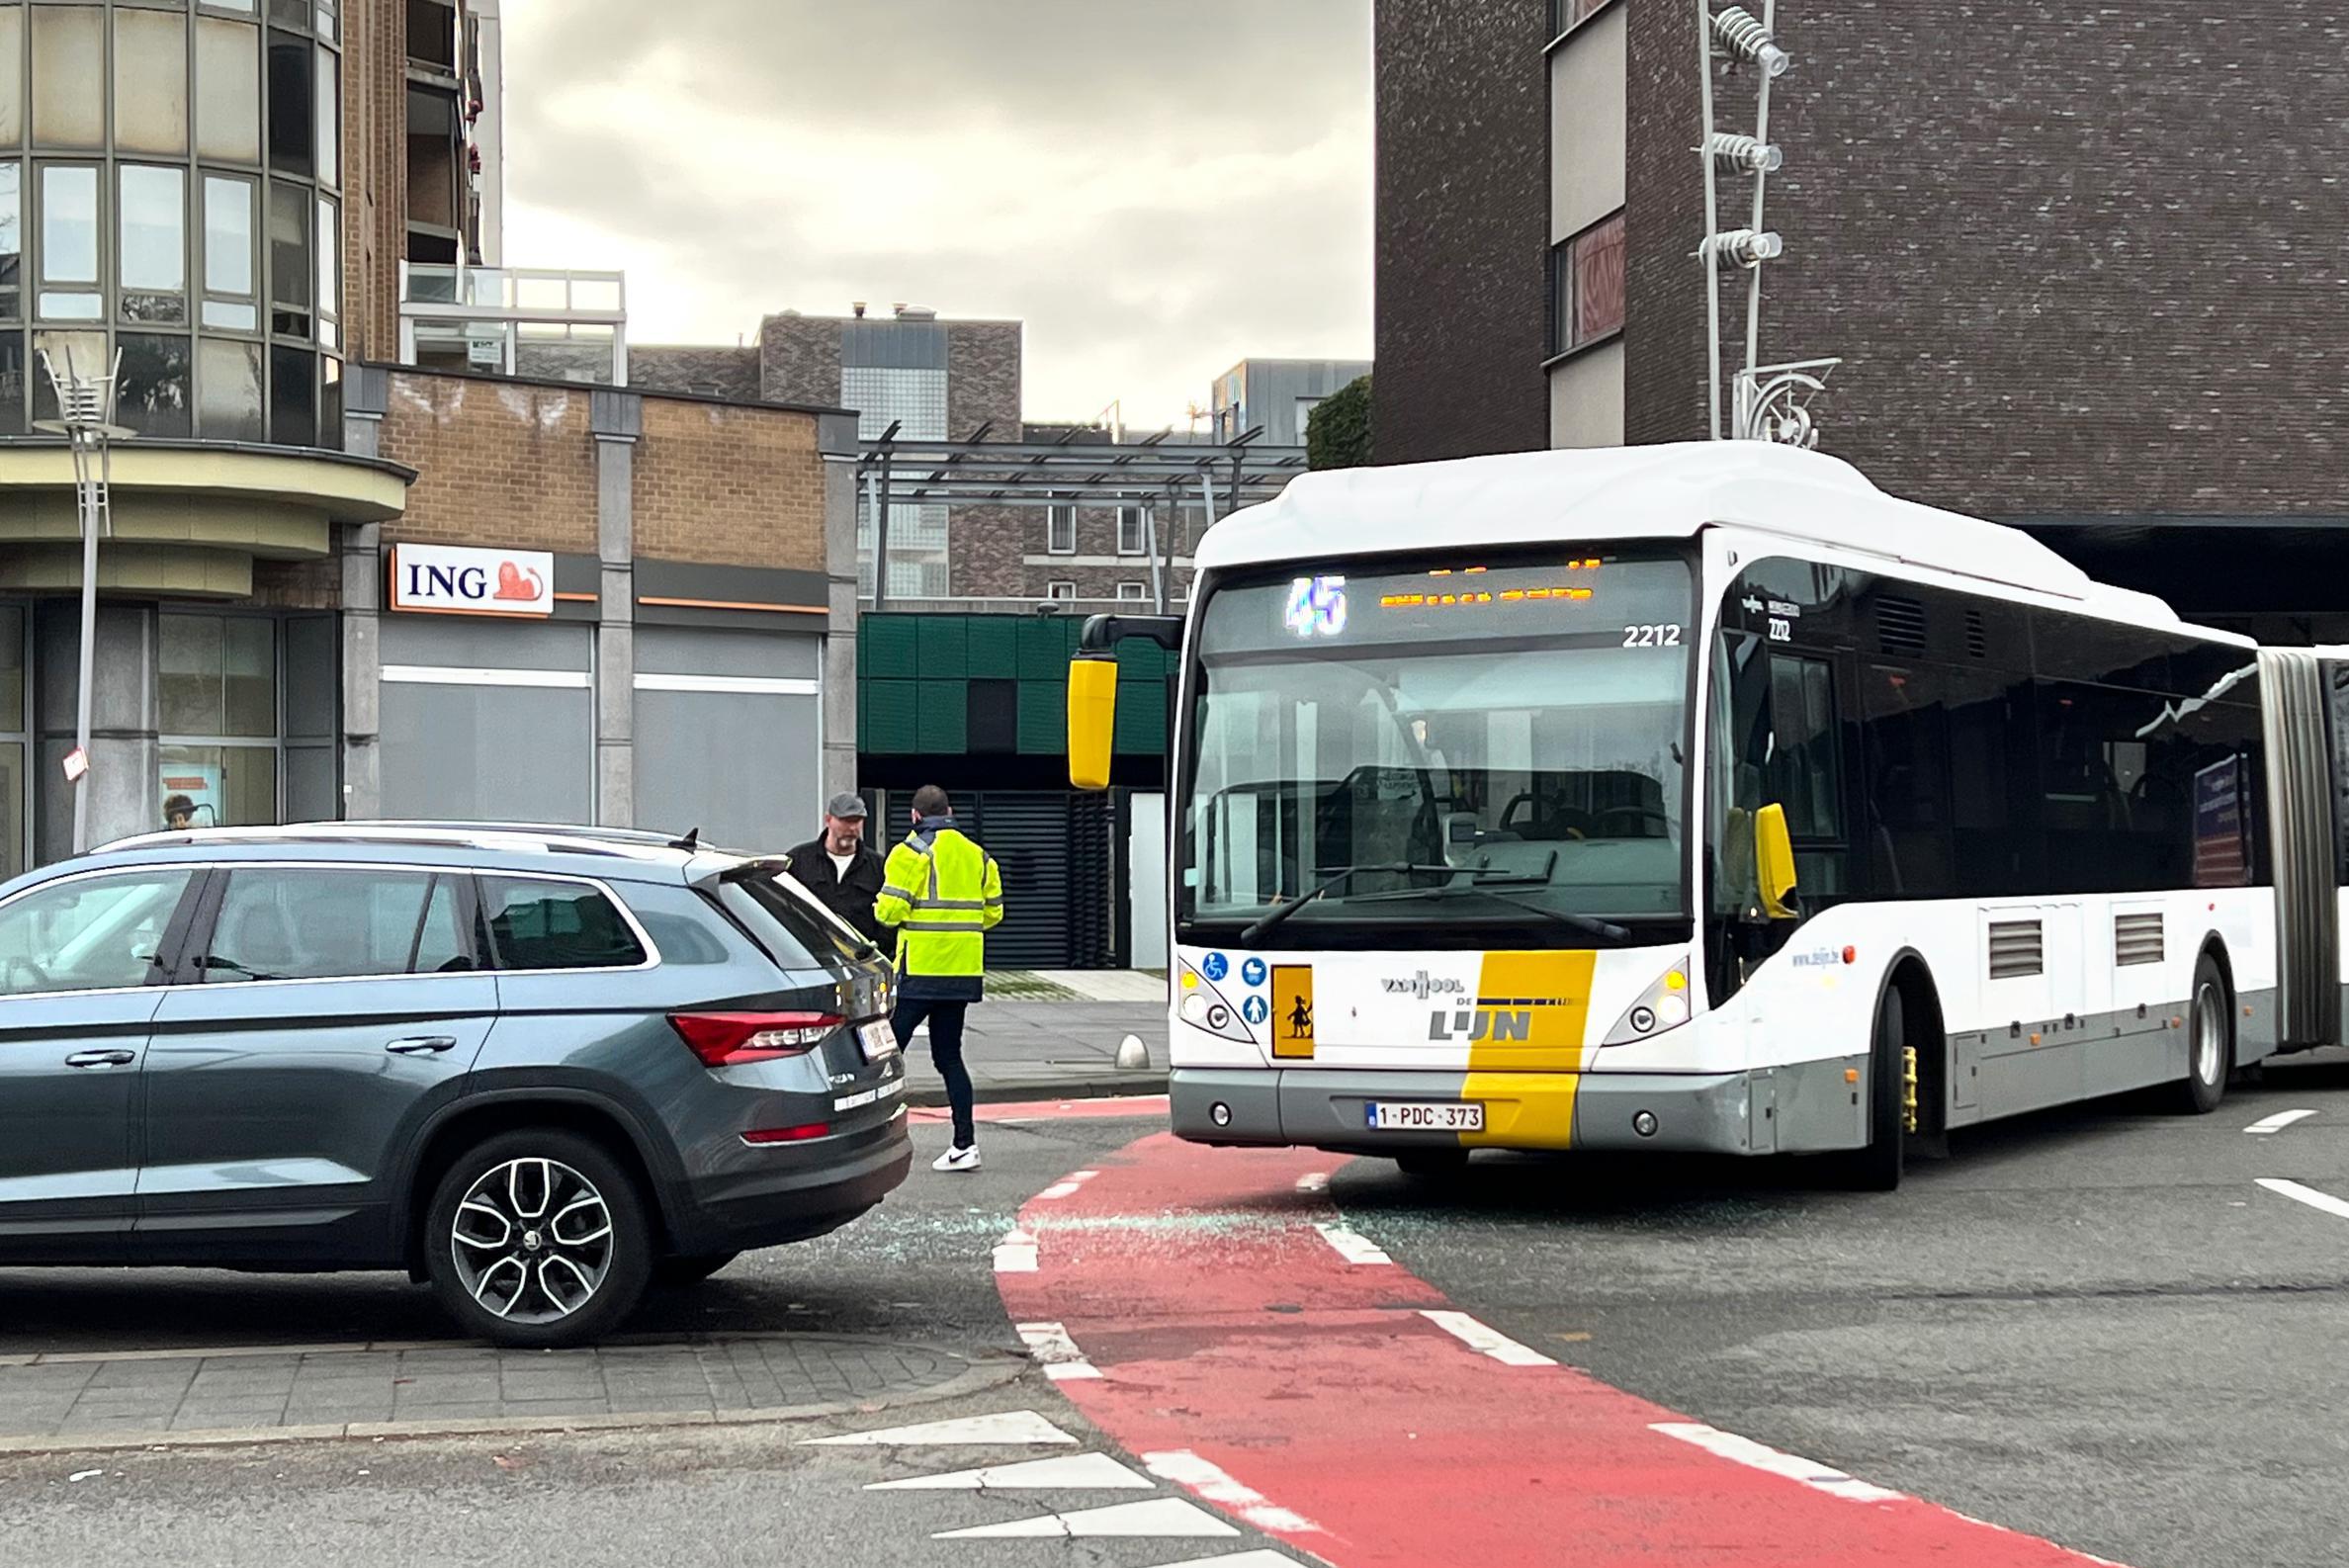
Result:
361,1391
1043,1050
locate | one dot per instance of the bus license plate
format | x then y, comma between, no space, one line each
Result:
1386,1115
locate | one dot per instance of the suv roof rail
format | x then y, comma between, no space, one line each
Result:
624,844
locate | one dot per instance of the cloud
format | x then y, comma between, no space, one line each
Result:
1157,190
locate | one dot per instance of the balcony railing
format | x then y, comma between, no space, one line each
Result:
556,325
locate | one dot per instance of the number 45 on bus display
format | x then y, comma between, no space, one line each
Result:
1317,606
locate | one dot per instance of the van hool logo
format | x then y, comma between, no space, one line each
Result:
1424,985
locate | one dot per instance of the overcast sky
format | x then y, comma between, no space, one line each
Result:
1157,187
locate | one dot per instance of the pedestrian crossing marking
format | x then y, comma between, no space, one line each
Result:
1165,1516
1012,1427
1076,1472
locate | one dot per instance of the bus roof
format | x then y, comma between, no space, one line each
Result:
1667,492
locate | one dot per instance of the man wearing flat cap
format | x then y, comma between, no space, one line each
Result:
843,871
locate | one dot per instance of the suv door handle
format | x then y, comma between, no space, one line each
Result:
102,1059
422,1044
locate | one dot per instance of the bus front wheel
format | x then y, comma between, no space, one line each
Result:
1877,1167
2209,1041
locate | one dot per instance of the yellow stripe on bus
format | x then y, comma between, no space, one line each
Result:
1527,1066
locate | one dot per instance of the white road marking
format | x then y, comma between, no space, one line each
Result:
1162,1515
1050,1344
1314,1181
1259,1558
1355,1249
2279,1121
1486,1342
1016,1253
1079,1472
1212,1482
2309,1195
1068,1184
1760,1457
1009,1429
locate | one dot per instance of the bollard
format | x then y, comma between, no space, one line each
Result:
1132,1055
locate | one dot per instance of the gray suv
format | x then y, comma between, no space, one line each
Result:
540,1067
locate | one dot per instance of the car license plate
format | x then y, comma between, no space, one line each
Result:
877,1040
1386,1115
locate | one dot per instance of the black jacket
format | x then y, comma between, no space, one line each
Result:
851,899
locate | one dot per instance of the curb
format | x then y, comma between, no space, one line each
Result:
930,1098
983,1371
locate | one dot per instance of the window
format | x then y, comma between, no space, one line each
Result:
228,255
1803,761
68,76
1133,530
329,117
1060,591
787,925
305,923
70,242
1586,286
293,396
293,126
218,674
155,392
12,241
1060,530
1566,15
153,240
441,947
227,90
557,925
289,277
73,353
151,81
229,404
12,76
1132,592
329,272
87,933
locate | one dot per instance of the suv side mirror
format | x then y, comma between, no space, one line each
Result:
1773,862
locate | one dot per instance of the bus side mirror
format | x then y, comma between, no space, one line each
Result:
1093,721
1773,862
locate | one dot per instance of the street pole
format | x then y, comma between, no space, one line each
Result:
881,520
1705,257
85,407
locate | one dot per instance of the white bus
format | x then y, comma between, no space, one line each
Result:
1704,797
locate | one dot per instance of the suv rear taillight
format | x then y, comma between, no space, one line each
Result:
723,1039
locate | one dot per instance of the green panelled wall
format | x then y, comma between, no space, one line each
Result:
914,676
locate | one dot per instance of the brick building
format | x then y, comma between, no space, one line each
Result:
2084,277
235,199
938,380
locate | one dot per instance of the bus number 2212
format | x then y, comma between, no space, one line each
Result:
1651,636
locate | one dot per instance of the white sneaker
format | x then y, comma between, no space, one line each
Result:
957,1160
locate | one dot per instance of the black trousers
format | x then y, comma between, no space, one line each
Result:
946,1050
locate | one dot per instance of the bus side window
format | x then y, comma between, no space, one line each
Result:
1907,773
1806,772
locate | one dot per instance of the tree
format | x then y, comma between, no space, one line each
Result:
1338,430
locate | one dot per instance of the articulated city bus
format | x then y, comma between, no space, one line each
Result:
1704,797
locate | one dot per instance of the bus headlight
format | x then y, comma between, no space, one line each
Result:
1662,1005
1206,1009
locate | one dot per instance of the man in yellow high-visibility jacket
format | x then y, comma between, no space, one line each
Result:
942,893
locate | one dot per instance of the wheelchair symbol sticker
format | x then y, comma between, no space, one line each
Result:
1255,1010
1252,972
1215,966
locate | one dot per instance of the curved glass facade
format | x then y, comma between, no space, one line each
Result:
170,188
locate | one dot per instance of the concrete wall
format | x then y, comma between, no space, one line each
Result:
1589,83
1587,399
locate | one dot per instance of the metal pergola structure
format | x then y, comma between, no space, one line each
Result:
1163,474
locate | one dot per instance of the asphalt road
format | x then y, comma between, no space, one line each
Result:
2090,1325
2093,1325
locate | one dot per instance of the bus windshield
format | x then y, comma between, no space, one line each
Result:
1470,745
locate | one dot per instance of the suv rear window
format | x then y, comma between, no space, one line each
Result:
557,925
792,932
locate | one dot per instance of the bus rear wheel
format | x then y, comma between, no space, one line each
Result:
2209,1041
1877,1167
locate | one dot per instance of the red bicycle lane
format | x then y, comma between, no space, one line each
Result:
1191,1303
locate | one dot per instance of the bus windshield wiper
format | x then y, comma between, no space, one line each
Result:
1263,924
1587,925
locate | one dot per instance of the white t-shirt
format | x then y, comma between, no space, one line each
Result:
840,865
